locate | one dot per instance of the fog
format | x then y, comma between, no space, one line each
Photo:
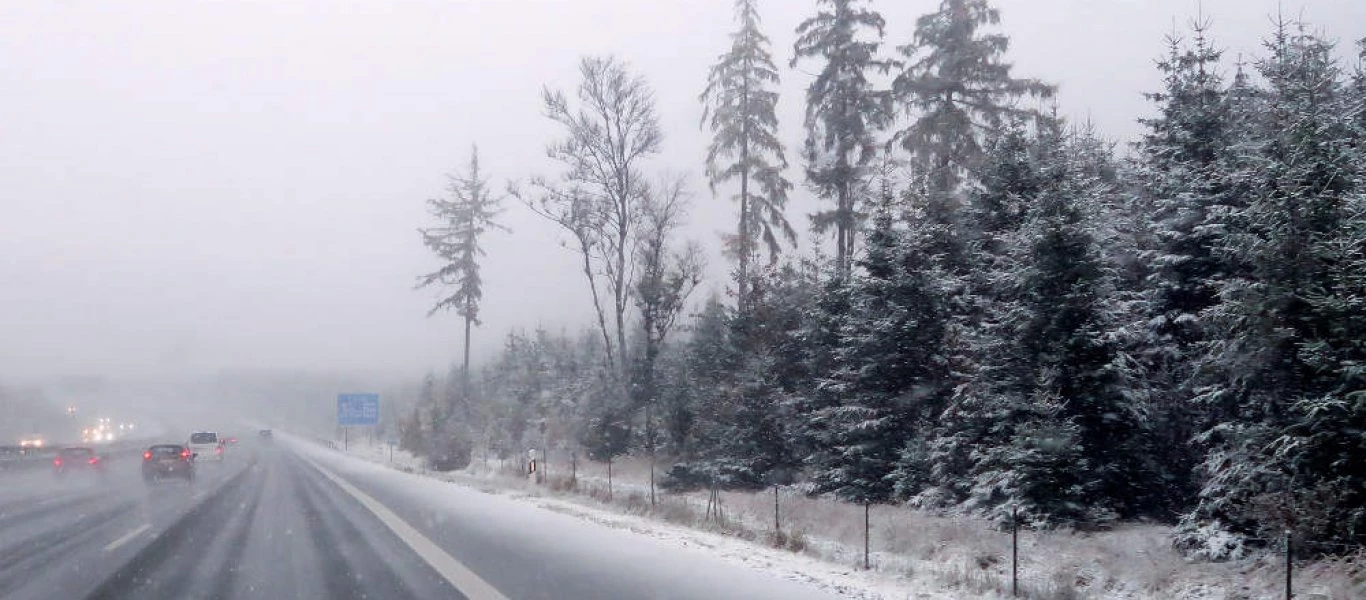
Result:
191,188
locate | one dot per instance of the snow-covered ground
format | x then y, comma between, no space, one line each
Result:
914,555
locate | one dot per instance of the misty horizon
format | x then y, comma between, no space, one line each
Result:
193,189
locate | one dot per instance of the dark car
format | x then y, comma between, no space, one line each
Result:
167,461
10,457
265,434
77,459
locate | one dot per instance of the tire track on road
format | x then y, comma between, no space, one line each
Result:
129,580
325,540
18,560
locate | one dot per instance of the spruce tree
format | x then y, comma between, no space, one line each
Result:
1046,422
1182,159
959,90
741,112
1288,347
892,366
844,110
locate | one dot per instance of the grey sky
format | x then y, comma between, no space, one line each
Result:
205,185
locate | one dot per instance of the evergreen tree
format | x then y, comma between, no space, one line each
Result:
843,111
893,368
1288,347
955,83
1047,411
1182,160
1008,182
741,111
464,218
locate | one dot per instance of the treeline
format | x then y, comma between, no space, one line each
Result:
1014,314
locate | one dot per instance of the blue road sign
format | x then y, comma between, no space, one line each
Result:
357,409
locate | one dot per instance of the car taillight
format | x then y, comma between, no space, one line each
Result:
218,450
185,454
57,462
147,455
94,460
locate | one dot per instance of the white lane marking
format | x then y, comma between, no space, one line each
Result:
460,576
197,495
128,537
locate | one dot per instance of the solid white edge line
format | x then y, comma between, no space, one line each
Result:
128,537
461,577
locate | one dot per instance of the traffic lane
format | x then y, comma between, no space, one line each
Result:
280,530
531,553
68,536
34,476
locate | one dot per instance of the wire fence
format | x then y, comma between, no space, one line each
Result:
634,483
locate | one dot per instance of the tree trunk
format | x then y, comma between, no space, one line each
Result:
621,283
465,370
742,286
597,305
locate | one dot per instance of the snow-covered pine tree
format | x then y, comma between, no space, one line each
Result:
741,102
749,372
892,370
958,89
843,112
1006,183
692,411
1288,352
1179,168
1046,422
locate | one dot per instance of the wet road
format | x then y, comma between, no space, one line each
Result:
263,524
291,520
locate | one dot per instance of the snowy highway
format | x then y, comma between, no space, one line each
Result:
292,520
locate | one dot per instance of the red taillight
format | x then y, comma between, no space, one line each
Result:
57,462
94,460
185,454
218,450
147,455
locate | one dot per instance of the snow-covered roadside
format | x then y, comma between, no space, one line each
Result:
845,581
914,556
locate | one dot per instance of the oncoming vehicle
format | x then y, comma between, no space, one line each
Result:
206,446
167,461
77,459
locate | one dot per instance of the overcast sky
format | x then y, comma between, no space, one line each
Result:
189,186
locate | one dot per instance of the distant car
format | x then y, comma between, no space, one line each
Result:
10,456
77,459
265,434
167,461
206,446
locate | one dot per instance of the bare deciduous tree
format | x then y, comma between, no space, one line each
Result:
598,197
668,274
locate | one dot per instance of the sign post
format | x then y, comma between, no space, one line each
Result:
356,410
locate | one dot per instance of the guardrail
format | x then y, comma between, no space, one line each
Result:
42,458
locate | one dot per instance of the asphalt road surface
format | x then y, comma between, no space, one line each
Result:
290,520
